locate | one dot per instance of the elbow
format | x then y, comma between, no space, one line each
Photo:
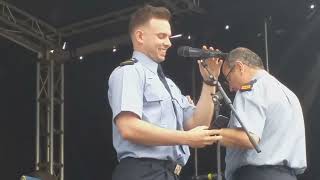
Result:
125,124
126,136
125,132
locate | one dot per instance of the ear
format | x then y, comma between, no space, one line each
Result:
138,35
241,66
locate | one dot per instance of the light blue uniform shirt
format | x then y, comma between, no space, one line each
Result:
138,89
273,113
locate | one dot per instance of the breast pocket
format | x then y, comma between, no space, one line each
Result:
153,99
179,101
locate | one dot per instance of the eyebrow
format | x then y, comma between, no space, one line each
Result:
163,33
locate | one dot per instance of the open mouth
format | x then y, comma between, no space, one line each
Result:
163,51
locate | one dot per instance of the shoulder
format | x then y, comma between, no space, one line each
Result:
247,86
129,68
127,62
252,92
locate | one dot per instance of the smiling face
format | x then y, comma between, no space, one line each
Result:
153,38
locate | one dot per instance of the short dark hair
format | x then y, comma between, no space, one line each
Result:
147,12
246,56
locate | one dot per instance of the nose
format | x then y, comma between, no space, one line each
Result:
167,42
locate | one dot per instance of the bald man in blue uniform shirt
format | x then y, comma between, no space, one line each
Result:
273,116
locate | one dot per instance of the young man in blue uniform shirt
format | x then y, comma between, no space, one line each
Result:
153,123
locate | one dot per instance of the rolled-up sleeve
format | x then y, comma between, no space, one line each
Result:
125,91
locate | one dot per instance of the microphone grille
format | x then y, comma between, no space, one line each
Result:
183,51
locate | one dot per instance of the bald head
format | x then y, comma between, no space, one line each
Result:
246,56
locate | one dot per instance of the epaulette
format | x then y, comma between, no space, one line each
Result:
248,86
128,62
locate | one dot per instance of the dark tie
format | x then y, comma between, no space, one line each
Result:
162,78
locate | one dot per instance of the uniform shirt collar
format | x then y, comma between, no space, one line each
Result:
146,61
259,74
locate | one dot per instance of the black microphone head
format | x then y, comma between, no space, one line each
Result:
187,51
183,51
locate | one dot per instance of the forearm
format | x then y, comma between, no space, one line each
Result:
204,108
145,133
236,137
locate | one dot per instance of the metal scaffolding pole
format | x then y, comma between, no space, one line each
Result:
50,117
26,30
61,133
266,40
51,121
177,7
38,118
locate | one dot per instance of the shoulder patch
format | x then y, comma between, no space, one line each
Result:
128,62
248,86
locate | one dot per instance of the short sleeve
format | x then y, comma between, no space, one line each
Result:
188,108
250,108
125,92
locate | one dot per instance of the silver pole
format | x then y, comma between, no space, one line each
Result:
196,162
47,100
266,23
51,115
194,97
219,161
62,125
38,118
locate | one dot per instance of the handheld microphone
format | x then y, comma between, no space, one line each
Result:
187,51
